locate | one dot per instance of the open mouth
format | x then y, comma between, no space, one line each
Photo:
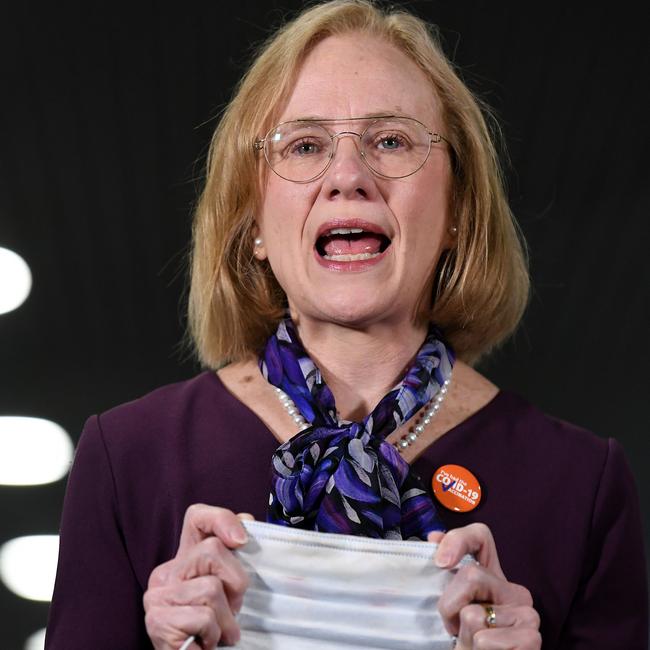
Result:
351,244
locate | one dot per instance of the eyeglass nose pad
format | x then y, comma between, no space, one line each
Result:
335,143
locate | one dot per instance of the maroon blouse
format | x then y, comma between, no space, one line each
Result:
561,503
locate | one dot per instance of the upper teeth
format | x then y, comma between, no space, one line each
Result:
344,231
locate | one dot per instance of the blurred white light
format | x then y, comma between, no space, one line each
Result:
15,280
28,565
33,451
36,641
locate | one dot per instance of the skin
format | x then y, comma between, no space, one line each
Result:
357,326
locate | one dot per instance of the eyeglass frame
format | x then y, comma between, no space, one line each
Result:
434,138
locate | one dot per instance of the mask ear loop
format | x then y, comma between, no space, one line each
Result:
188,642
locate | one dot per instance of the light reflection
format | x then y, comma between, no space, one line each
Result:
36,641
33,451
28,565
15,280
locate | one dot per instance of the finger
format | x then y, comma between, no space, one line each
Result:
204,591
169,627
208,558
435,536
160,575
474,539
209,591
474,583
506,638
517,616
211,558
245,516
473,618
203,521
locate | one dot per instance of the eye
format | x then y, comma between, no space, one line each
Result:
390,142
305,147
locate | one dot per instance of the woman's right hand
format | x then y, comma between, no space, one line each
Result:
201,590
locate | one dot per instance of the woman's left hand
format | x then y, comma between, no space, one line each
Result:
478,589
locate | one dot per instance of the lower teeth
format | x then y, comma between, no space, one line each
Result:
351,258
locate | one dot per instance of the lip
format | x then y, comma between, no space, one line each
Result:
356,266
351,223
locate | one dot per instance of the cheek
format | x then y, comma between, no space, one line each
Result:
435,196
285,208
422,218
421,214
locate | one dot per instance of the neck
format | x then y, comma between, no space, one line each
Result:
360,365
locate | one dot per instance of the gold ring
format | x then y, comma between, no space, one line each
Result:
490,616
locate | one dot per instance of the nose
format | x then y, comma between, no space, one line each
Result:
347,174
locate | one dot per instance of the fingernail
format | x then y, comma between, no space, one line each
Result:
239,535
442,560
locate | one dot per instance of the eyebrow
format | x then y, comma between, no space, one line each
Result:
366,116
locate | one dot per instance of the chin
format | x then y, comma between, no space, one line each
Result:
354,311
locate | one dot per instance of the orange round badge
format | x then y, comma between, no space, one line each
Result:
456,488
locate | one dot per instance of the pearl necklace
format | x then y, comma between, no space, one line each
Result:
291,409
431,408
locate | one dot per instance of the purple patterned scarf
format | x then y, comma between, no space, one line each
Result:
343,477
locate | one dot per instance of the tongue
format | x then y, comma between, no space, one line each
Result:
341,245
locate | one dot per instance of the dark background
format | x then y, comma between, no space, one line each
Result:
105,116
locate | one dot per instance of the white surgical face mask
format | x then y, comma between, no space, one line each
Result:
322,591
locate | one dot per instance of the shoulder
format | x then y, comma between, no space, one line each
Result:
171,405
511,442
538,462
163,419
515,417
176,445
513,424
164,402
523,426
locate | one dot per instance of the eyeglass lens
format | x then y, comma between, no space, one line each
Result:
301,151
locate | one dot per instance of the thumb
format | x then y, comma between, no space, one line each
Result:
435,536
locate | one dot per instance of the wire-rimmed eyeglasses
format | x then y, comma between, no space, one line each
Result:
391,146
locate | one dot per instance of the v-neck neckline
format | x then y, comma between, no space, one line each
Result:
457,429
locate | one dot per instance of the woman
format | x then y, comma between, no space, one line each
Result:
352,181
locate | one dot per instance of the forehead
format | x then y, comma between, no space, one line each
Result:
357,75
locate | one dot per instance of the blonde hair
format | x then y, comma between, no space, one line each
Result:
480,288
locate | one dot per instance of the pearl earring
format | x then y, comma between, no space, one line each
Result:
258,242
453,230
